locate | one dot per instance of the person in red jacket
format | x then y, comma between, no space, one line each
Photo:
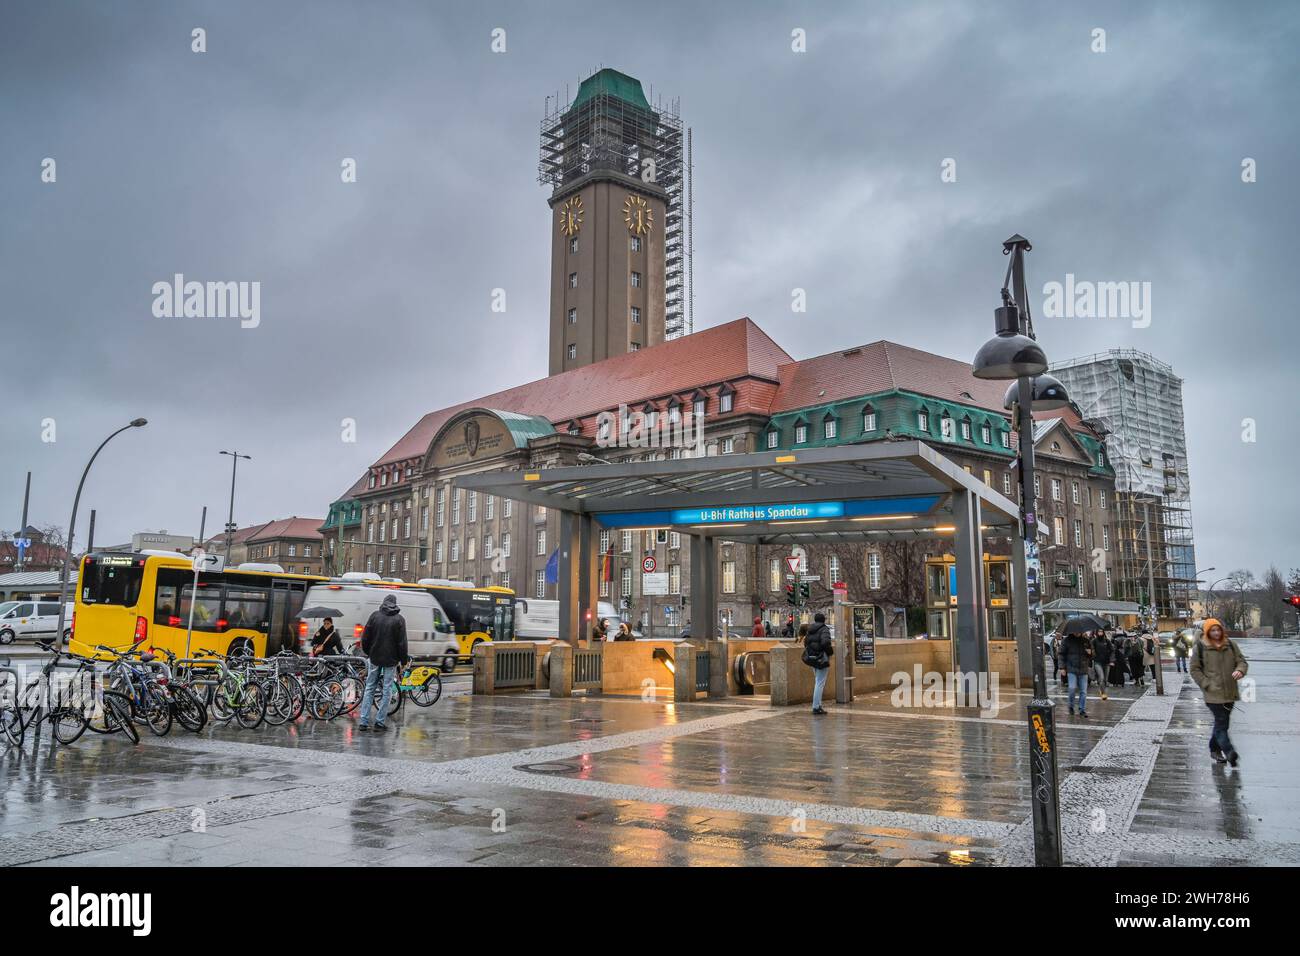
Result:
758,628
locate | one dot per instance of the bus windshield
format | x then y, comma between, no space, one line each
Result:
112,581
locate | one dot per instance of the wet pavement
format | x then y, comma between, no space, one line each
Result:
526,780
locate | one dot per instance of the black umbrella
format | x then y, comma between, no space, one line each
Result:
1082,623
320,612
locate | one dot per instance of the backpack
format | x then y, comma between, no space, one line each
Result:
817,661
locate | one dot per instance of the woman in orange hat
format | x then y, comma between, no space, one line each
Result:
1217,667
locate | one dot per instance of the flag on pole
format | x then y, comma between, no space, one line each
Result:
553,567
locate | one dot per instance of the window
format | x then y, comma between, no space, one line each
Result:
604,542
674,539
1079,579
923,420
489,507
946,428
634,347
699,406
383,480
573,245
800,434
1105,537
873,570
636,244
406,560
507,507
573,316
372,481
1038,486
1006,483
674,579
965,430
1078,533
774,575
1109,591
539,584
986,434
627,542
1056,489
383,530
573,351
828,428
441,507
540,538
424,520
293,551
455,506
505,545
455,549
1058,529
728,446
636,315
625,583
1074,492
573,280
728,577
472,501
1006,439
437,553
1101,497
988,477
868,419
636,280
832,569
773,438
725,402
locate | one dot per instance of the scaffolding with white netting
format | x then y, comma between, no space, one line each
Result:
1137,402
611,125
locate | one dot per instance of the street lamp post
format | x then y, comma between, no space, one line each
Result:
1014,354
230,520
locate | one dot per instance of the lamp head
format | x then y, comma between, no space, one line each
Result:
1047,394
139,422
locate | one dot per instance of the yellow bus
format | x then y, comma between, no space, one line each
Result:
476,614
126,599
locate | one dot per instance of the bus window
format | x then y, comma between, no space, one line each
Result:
505,623
167,600
246,607
106,581
207,609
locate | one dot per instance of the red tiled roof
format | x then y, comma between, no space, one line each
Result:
879,367
722,353
239,536
294,527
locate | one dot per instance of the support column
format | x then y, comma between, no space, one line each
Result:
704,605
1020,614
567,583
588,564
971,651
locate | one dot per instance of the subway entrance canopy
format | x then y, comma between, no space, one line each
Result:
855,492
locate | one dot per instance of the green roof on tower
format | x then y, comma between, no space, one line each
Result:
626,88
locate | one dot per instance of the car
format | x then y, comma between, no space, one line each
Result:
35,620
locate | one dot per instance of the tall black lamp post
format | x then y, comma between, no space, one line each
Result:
1014,354
230,520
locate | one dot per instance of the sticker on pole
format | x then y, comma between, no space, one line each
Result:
648,564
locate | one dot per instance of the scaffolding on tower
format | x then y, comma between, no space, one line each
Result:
611,125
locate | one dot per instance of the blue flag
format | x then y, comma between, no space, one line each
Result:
553,567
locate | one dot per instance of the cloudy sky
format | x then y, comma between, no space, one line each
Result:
817,170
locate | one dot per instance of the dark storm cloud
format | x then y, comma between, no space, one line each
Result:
817,171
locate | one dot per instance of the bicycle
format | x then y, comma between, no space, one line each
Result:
68,722
144,685
422,682
186,704
235,694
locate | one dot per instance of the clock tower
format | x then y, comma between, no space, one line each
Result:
605,157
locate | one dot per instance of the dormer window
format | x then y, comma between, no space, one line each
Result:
1006,439
800,432
986,434
829,427
946,429
726,399
868,419
965,429
699,403
674,410
773,438
923,420
604,428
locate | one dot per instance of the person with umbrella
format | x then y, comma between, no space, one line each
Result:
1076,657
326,640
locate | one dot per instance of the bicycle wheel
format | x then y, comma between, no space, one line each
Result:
250,710
68,723
279,704
224,696
353,688
326,700
188,709
158,712
428,693
117,715
11,725
298,693
395,702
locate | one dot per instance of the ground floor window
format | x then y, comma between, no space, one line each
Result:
728,577
539,584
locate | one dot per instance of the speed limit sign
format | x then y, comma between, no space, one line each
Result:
648,564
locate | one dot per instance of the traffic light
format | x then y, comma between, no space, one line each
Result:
805,590
791,597
1294,601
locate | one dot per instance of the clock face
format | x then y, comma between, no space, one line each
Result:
638,215
571,216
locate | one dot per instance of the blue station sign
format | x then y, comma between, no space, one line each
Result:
772,512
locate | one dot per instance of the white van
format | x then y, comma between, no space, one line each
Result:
32,619
429,633
539,620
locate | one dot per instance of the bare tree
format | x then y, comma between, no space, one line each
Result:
1273,601
1233,605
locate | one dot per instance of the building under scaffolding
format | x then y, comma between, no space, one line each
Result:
611,125
1138,403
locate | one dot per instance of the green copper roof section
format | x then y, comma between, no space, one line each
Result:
345,512
626,88
523,428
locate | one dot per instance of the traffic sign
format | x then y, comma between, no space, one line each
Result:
648,564
793,562
207,562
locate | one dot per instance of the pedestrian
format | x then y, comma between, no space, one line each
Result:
383,642
1150,653
1217,667
800,637
1133,650
817,651
326,640
599,631
1118,662
1076,660
787,632
685,635
624,632
767,629
1101,651
1060,671
1180,653
758,628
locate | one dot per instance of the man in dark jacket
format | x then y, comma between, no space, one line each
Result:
1133,651
1076,659
384,643
817,651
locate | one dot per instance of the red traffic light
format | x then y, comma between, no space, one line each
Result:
1294,600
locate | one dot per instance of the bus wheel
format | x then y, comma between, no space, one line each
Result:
242,647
